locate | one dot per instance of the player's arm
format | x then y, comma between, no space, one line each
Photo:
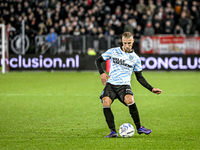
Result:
144,83
104,76
98,62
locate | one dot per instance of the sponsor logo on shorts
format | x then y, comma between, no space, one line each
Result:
128,90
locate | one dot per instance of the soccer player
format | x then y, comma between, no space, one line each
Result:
117,84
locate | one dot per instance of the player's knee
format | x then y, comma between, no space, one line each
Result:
129,99
106,102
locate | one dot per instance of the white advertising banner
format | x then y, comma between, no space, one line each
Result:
170,44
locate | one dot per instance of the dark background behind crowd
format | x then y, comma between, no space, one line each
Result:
101,17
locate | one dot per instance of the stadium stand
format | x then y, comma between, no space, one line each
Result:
99,17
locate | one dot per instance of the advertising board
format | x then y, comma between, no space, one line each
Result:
86,63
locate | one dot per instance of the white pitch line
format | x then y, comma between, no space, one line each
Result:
71,94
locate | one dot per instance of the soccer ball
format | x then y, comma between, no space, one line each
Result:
126,130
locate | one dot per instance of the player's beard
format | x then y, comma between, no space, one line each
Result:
128,49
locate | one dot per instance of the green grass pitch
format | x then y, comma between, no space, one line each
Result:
62,110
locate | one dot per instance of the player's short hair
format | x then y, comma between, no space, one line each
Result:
127,35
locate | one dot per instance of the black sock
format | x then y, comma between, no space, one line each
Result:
109,118
135,115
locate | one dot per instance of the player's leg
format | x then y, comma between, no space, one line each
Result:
129,100
109,116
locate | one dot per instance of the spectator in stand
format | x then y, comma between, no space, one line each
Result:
194,17
178,7
161,14
29,11
126,6
197,30
52,38
158,28
49,24
63,30
41,16
106,21
67,22
100,30
194,3
118,12
19,8
184,22
18,24
158,6
151,6
49,13
83,31
12,11
113,37
138,32
12,20
169,9
93,20
186,4
94,31
149,16
124,19
100,18
113,21
42,29
52,4
119,28
130,27
34,24
56,28
178,31
137,35
149,29
25,6
80,13
141,6
61,23
170,17
28,31
143,21
157,19
140,13
126,11
90,26
70,30
31,35
5,16
135,15
77,31
187,11
12,31
168,28
56,17
25,18
131,13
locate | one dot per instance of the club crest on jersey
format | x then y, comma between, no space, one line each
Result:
130,57
120,62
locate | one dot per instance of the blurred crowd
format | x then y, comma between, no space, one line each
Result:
101,17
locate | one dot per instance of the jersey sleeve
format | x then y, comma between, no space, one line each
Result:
138,65
107,54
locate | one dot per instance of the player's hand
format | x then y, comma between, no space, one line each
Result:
156,91
104,77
